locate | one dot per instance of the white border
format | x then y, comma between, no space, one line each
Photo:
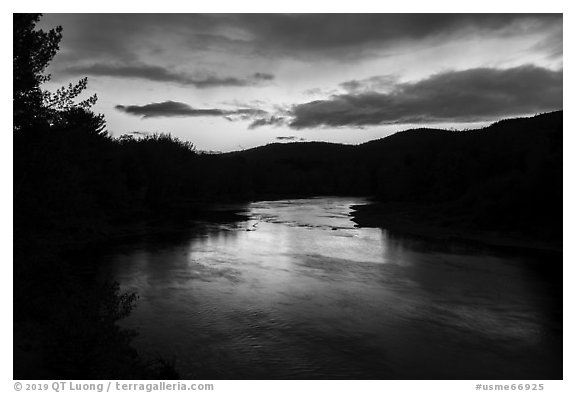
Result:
230,6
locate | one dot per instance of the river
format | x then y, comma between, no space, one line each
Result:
295,290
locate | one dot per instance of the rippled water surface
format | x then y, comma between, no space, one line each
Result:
297,291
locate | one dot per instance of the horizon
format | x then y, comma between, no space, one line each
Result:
282,142
229,82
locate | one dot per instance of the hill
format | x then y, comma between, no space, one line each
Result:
506,176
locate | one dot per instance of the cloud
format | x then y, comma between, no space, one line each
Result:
291,138
121,36
263,76
125,36
328,34
316,91
477,94
286,138
375,83
162,74
180,109
268,121
552,44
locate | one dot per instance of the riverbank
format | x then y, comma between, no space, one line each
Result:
56,286
170,219
260,301
430,222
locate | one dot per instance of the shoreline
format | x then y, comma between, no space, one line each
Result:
417,220
403,217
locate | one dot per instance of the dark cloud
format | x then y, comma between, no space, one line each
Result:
375,83
263,76
461,96
330,33
161,74
291,138
180,109
268,121
122,36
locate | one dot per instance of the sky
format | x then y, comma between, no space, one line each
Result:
235,81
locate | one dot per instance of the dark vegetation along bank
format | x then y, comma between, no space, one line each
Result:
74,184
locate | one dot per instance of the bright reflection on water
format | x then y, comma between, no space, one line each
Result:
296,291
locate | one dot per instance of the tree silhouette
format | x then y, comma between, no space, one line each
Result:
65,187
33,51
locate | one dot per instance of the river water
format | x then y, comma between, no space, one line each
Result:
295,290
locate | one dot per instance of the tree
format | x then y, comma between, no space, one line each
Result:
33,51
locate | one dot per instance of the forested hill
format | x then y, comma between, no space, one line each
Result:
507,175
437,165
78,176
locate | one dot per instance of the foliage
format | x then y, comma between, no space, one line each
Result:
33,50
66,189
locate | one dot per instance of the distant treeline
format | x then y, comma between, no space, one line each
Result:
507,176
76,179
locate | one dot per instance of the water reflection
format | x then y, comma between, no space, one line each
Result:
297,291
